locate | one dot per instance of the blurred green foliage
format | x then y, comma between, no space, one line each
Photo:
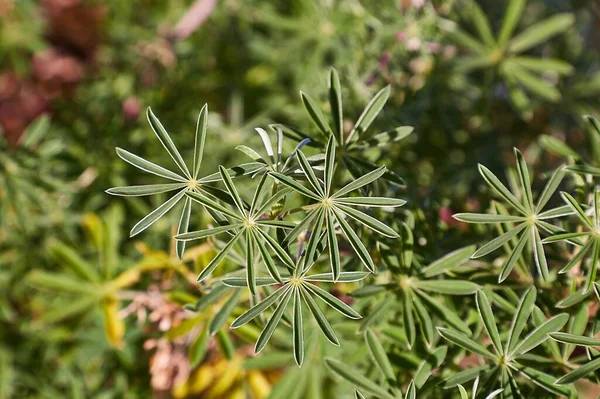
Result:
87,313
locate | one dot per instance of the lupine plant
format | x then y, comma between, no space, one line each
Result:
300,242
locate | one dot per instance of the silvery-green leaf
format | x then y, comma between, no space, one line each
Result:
148,166
501,189
540,334
156,214
271,325
319,317
379,356
369,114
166,141
358,380
519,321
360,182
260,307
332,301
297,328
316,114
222,316
335,102
200,139
146,189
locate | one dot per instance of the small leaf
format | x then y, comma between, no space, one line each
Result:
379,356
267,143
449,261
524,178
360,182
579,372
575,339
156,214
147,189
166,141
316,114
540,32
196,235
540,334
335,102
355,242
514,257
207,202
511,19
294,185
368,221
431,362
486,218
360,381
298,332
449,287
345,277
538,254
250,266
332,301
232,190
499,241
466,375
370,112
554,145
329,165
184,223
200,139
148,166
501,189
310,174
371,201
219,257
320,318
487,317
408,318
260,307
332,245
464,342
519,321
271,325
197,350
222,316
543,65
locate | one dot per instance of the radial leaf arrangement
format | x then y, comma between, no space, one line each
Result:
505,52
331,207
245,225
415,286
590,236
508,355
274,161
186,180
298,288
524,222
351,146
389,387
586,369
465,395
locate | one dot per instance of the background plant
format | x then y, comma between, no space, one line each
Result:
93,68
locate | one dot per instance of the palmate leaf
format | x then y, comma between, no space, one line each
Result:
332,207
529,218
359,381
585,369
187,182
302,289
353,147
246,224
592,245
509,352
